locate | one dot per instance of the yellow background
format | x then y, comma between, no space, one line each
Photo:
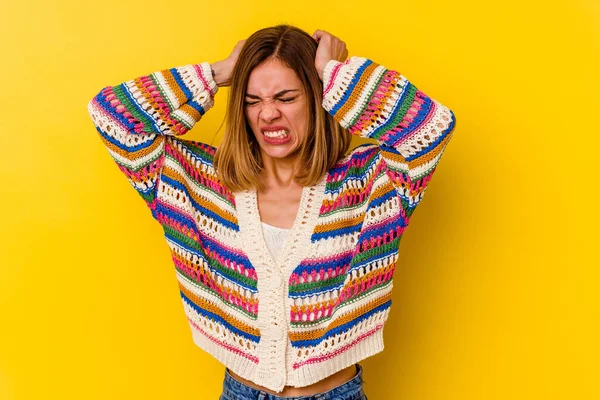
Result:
496,294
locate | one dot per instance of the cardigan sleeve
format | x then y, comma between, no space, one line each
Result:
134,118
412,129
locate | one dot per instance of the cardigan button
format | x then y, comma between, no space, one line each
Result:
277,280
276,380
277,333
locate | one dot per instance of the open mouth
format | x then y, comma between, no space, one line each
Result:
278,136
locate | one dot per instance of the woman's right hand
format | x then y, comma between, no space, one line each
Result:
223,68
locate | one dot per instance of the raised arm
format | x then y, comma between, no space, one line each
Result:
412,129
134,117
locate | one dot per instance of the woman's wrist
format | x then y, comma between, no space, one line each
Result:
221,71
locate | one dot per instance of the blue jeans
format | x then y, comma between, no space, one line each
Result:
350,390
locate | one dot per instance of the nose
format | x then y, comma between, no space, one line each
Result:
269,112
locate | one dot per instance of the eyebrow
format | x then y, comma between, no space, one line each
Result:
253,96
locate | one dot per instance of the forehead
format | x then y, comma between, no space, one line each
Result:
271,77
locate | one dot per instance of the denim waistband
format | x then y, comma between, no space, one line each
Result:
349,390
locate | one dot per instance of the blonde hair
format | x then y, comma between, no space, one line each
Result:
238,160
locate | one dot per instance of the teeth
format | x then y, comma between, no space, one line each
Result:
276,134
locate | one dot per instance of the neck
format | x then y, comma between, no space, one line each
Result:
278,172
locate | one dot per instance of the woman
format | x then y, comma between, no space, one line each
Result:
284,245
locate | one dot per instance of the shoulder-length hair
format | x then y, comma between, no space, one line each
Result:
238,160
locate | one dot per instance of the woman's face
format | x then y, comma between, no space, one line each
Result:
275,107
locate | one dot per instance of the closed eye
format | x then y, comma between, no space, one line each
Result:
288,100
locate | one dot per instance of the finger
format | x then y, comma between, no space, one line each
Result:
318,34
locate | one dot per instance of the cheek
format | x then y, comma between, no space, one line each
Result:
300,117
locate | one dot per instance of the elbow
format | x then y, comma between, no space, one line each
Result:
449,120
452,121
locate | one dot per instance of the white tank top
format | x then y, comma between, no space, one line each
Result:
275,238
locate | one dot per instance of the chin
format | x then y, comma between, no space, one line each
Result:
279,152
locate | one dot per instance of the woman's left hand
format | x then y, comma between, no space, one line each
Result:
330,48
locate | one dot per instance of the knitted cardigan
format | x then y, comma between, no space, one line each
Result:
321,305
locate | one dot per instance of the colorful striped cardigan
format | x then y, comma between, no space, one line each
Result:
322,304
